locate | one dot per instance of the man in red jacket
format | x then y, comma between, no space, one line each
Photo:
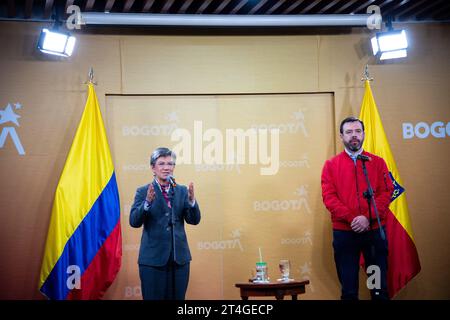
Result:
355,225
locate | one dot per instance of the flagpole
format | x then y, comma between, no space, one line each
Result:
368,194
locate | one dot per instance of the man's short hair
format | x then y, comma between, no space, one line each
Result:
350,119
161,152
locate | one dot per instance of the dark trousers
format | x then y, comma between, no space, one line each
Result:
348,246
168,282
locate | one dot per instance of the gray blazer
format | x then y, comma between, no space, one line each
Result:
156,240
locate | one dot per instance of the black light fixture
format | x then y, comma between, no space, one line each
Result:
56,42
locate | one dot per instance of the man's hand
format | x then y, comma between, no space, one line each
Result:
191,193
150,193
360,224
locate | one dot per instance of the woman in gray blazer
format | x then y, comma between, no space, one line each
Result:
163,207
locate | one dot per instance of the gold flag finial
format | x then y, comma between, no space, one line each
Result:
91,77
366,74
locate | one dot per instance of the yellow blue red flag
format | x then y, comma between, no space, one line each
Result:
403,259
83,251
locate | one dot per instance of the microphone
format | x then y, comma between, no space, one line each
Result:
171,195
363,158
171,180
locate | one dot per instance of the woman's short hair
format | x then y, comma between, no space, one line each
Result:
161,152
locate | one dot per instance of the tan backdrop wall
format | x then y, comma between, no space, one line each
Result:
243,209
311,77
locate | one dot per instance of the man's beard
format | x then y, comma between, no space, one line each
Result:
353,147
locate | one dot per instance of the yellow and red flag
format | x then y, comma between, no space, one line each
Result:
403,259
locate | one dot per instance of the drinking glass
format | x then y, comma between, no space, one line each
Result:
285,267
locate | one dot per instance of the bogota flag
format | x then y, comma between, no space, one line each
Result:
403,259
84,244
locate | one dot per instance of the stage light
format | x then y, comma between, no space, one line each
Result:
56,43
390,45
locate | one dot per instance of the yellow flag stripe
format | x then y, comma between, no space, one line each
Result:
376,142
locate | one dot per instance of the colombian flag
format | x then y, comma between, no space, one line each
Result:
84,244
403,259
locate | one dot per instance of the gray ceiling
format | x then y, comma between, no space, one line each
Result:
397,10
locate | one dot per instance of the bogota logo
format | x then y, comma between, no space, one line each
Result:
164,129
306,239
233,243
286,205
8,115
293,127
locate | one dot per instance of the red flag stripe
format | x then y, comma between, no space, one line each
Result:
101,272
402,267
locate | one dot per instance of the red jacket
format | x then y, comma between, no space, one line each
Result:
343,185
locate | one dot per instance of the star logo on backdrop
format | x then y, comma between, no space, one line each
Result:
236,233
173,116
308,237
302,191
305,269
298,115
305,272
8,114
